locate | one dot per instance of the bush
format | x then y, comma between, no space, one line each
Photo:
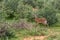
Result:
22,24
5,31
34,3
49,14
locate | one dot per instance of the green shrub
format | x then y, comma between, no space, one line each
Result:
49,14
6,31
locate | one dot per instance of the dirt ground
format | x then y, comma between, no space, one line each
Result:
36,38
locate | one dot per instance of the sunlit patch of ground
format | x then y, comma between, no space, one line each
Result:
35,38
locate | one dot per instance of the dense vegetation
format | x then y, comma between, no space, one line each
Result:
19,14
17,9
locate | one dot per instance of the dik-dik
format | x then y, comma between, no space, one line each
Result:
40,20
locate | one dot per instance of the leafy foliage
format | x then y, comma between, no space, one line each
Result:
5,31
23,9
50,15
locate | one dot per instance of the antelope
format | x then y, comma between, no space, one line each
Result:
40,20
